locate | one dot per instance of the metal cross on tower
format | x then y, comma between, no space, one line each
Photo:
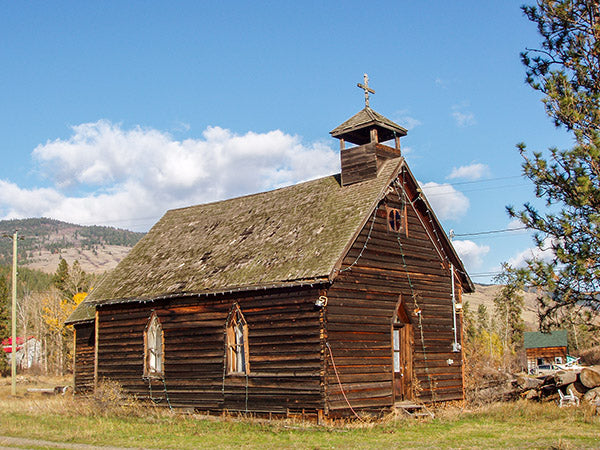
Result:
365,87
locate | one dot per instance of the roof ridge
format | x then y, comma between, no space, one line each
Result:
254,194
375,203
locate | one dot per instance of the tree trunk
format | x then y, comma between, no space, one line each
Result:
589,377
565,377
529,382
45,355
593,395
577,389
59,343
26,346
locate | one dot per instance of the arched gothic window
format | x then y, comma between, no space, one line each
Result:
237,343
153,348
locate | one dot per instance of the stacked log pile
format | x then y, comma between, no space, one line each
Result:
583,384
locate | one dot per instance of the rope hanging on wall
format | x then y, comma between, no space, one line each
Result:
340,383
417,309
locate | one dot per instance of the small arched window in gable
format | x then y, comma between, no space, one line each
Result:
153,348
237,343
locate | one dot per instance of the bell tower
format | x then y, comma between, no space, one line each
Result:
367,129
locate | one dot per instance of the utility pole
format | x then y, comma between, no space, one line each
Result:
13,359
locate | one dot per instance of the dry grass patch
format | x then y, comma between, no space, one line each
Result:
112,418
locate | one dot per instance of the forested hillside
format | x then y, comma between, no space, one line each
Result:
42,242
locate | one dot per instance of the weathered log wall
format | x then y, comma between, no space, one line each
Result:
83,372
546,352
362,302
284,351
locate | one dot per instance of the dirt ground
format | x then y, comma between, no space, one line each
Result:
13,442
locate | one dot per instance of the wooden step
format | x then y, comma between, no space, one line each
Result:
413,409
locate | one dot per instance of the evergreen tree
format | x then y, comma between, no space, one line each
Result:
566,69
4,321
469,324
508,305
61,276
79,280
483,318
71,281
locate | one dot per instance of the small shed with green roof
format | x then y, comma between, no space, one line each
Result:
544,349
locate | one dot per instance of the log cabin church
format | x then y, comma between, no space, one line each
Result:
335,295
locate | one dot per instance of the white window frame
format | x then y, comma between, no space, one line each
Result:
153,348
236,343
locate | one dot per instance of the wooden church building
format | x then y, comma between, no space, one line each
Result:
335,295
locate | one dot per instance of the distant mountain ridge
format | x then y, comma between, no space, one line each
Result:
45,241
485,293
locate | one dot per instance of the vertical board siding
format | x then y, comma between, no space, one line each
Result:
84,358
284,352
361,306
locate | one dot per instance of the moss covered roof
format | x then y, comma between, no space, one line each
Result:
537,339
289,235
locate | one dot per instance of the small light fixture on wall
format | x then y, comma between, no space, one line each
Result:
321,302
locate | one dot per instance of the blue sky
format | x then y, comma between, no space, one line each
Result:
113,112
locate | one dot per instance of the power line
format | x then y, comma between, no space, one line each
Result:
472,190
484,274
487,180
479,233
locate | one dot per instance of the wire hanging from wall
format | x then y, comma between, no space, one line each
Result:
231,311
340,383
365,244
412,205
157,401
417,309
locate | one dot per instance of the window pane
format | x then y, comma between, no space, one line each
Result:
239,344
154,347
396,361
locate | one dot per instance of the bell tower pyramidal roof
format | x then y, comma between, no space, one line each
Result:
367,125
367,129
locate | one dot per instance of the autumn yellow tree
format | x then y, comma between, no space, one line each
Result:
70,289
55,310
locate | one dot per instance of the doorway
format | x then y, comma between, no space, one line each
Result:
402,354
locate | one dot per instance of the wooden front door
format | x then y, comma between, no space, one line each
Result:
402,360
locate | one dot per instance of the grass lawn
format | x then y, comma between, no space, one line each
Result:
100,422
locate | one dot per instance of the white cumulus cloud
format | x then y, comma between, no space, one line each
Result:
446,201
403,119
106,174
464,119
462,116
545,254
470,253
516,224
471,172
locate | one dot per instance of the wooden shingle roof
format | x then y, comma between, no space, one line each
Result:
288,236
356,128
537,339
